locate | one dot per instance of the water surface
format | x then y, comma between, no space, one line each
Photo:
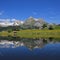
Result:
30,49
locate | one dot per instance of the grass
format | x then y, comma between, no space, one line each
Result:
3,33
38,33
33,33
57,27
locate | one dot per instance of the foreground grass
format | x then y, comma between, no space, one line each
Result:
33,33
38,33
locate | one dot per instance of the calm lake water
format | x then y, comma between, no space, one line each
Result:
30,49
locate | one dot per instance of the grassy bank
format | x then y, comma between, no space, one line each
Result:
33,33
38,33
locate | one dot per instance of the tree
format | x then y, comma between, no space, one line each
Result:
51,27
44,25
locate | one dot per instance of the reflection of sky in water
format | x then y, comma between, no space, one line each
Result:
6,46
25,49
48,52
10,44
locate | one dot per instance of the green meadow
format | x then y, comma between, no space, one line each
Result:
38,33
32,33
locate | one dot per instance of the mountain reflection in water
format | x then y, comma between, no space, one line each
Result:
29,43
30,49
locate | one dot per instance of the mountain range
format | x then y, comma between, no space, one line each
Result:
14,22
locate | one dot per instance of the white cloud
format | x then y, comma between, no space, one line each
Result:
10,22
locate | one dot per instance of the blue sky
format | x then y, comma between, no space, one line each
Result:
49,10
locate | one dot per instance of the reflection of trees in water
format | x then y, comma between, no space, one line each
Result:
30,43
50,40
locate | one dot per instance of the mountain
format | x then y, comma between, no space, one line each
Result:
30,22
34,22
10,22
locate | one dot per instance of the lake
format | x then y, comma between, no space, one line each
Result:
29,49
